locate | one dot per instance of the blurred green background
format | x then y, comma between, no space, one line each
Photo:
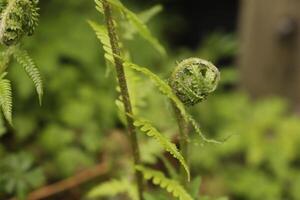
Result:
78,122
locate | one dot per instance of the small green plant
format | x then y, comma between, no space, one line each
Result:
190,83
18,18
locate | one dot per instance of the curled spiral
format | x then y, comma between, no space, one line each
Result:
193,80
17,19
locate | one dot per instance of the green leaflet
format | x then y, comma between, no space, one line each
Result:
99,6
139,25
151,131
6,98
145,16
102,35
158,178
112,188
31,69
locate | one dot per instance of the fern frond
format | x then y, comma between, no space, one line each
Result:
158,178
138,25
102,35
99,6
113,188
161,85
31,69
199,132
145,16
167,90
151,131
6,98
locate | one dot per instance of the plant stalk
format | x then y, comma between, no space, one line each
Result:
124,93
183,142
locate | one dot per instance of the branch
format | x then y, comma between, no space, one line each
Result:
68,183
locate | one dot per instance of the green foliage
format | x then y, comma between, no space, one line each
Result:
193,79
138,25
167,91
102,35
151,131
6,98
171,186
258,161
31,69
17,18
18,174
113,188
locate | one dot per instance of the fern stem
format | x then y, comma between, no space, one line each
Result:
183,142
124,92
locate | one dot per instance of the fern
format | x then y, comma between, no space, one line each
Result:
99,6
31,69
6,98
162,85
151,131
139,26
158,178
102,35
144,16
113,188
167,90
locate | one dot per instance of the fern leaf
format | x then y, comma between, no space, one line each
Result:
145,17
158,178
31,69
99,6
199,132
6,99
151,131
139,26
113,188
162,85
167,90
102,35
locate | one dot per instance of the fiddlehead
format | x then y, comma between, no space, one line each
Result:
193,80
18,18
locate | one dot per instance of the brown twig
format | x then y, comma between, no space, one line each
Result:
68,183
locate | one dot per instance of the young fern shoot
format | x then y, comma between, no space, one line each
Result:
192,81
18,18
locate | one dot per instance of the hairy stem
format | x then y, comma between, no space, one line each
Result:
183,142
124,92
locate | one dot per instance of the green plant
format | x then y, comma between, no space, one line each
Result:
116,54
18,175
18,18
192,80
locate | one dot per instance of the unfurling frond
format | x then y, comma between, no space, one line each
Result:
158,178
138,25
18,18
6,98
31,69
112,188
151,131
193,80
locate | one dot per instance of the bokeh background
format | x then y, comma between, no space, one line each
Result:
253,43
